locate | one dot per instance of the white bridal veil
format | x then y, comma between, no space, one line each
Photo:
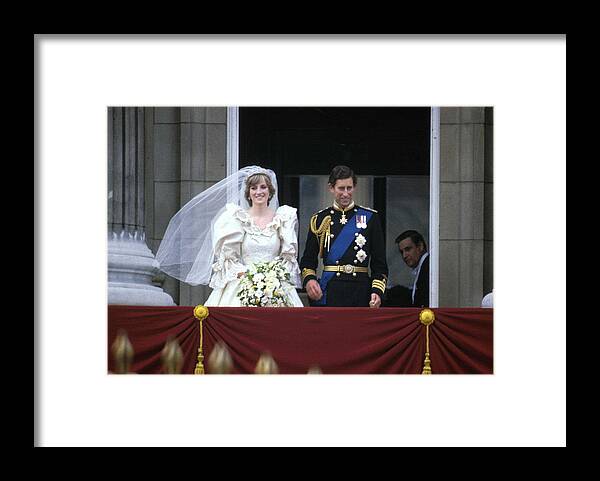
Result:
186,251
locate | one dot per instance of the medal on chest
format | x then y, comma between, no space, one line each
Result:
361,221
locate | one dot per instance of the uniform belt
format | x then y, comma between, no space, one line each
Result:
346,269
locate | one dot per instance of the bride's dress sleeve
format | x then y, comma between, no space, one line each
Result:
288,233
227,240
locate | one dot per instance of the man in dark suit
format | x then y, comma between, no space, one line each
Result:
413,249
349,239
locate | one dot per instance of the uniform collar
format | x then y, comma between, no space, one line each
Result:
337,207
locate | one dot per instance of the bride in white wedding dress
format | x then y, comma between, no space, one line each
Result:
207,242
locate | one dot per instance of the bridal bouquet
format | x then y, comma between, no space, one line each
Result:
263,285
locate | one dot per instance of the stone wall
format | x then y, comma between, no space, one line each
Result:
466,206
186,153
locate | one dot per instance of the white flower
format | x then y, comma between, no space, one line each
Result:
262,285
361,255
360,240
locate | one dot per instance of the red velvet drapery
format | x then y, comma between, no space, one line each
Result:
337,340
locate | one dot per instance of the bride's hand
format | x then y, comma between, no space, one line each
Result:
240,274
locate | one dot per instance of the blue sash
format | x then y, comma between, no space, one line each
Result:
339,247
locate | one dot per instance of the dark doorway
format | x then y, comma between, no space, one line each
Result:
373,141
387,147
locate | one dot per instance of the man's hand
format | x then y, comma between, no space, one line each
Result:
240,274
313,289
375,301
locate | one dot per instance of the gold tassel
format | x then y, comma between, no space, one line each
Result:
427,362
322,233
200,313
426,316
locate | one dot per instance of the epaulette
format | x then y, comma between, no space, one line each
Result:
368,208
322,210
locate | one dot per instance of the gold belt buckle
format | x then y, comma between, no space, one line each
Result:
348,269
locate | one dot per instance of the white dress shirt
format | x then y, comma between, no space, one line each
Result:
415,273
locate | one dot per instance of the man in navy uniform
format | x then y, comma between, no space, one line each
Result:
348,238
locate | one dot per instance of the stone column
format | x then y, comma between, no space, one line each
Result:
488,206
131,264
186,154
465,206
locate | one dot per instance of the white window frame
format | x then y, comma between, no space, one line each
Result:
233,142
434,208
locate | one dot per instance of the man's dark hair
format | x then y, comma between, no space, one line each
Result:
341,172
414,236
